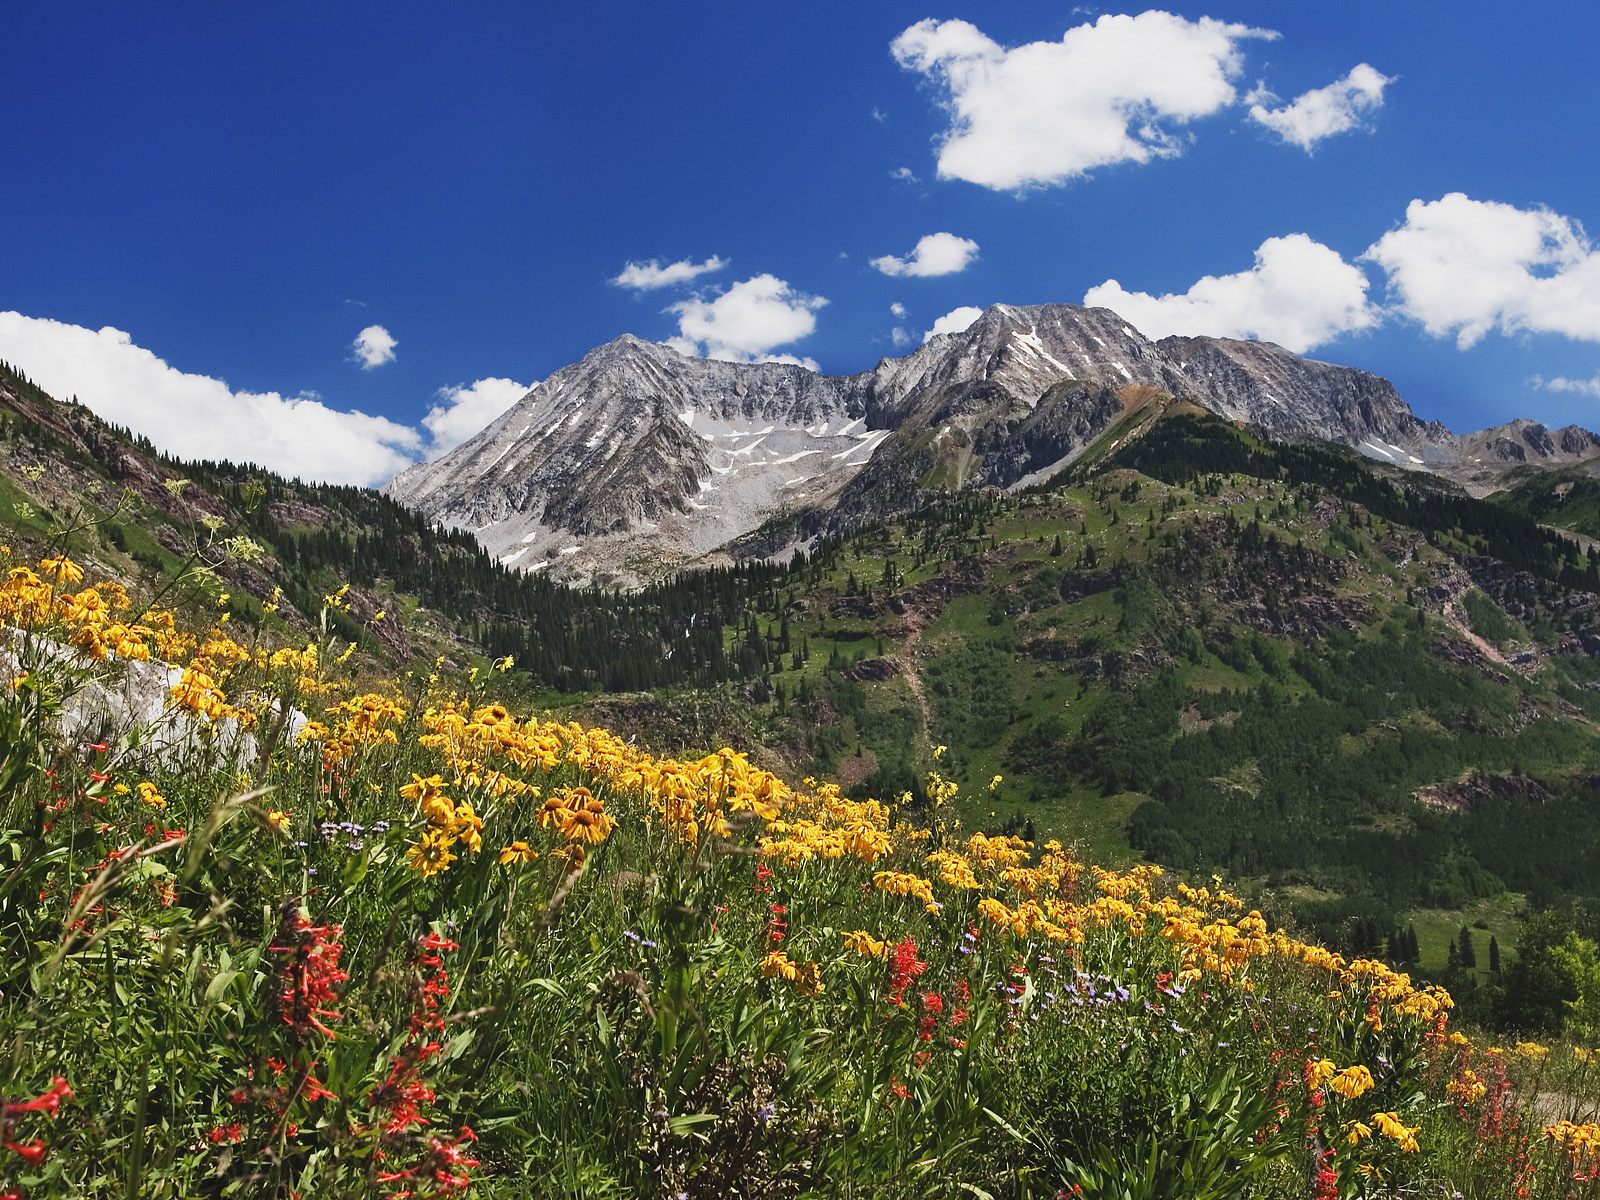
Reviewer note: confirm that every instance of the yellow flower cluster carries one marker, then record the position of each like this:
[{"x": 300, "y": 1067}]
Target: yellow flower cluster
[
  {"x": 827, "y": 825},
  {"x": 861, "y": 942},
  {"x": 1352, "y": 1082},
  {"x": 1052, "y": 919},
  {"x": 94, "y": 619},
  {"x": 353, "y": 725},
  {"x": 1581, "y": 1142},
  {"x": 1467, "y": 1087},
  {"x": 1391, "y": 1127},
  {"x": 806, "y": 977},
  {"x": 579, "y": 814},
  {"x": 903, "y": 883}
]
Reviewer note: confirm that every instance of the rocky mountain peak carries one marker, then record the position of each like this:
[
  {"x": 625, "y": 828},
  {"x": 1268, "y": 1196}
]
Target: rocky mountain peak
[{"x": 636, "y": 459}]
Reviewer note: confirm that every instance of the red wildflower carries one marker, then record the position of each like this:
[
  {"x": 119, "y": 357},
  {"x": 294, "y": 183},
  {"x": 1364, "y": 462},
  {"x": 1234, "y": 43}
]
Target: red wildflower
[
  {"x": 904, "y": 966},
  {"x": 309, "y": 976},
  {"x": 49, "y": 1103},
  {"x": 32, "y": 1152}
]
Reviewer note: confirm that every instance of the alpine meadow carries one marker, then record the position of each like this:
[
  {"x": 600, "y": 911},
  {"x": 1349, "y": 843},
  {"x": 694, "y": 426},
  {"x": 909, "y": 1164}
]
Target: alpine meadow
[{"x": 1034, "y": 634}]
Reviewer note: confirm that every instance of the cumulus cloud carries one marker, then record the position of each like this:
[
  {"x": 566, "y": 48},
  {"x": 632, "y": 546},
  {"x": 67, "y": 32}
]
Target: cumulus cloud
[
  {"x": 747, "y": 322},
  {"x": 374, "y": 346},
  {"x": 197, "y": 416},
  {"x": 897, "y": 309},
  {"x": 1576, "y": 387},
  {"x": 935, "y": 254},
  {"x": 1470, "y": 267},
  {"x": 1048, "y": 112},
  {"x": 467, "y": 408},
  {"x": 901, "y": 336},
  {"x": 647, "y": 276},
  {"x": 1325, "y": 111},
  {"x": 1299, "y": 294},
  {"x": 954, "y": 321},
  {"x": 903, "y": 175}
]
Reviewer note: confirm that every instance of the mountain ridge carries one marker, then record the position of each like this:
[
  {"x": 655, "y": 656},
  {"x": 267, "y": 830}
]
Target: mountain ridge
[{"x": 638, "y": 460}]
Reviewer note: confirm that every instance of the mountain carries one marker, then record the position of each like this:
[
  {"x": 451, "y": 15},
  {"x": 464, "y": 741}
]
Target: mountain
[
  {"x": 1362, "y": 688},
  {"x": 643, "y": 459},
  {"x": 637, "y": 461}
]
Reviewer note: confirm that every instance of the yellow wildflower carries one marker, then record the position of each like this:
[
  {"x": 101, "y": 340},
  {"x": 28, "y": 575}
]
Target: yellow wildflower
[
  {"x": 1352, "y": 1082},
  {"x": 62, "y": 569},
  {"x": 1402, "y": 1135},
  {"x": 517, "y": 854},
  {"x": 432, "y": 853},
  {"x": 864, "y": 944}
]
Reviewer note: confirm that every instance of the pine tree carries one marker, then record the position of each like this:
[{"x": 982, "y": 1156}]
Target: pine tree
[
  {"x": 1468, "y": 955},
  {"x": 1494, "y": 954}
]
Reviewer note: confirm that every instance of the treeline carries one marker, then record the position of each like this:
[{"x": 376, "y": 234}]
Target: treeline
[{"x": 1181, "y": 449}]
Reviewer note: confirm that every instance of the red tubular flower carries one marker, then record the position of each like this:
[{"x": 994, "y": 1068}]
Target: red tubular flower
[
  {"x": 904, "y": 966},
  {"x": 49, "y": 1103},
  {"x": 31, "y": 1153},
  {"x": 309, "y": 977}
]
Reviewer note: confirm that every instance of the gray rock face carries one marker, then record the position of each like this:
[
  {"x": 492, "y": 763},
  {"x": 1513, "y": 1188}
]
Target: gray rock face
[{"x": 638, "y": 460}]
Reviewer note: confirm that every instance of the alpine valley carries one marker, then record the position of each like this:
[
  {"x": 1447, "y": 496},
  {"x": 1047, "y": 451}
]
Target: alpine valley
[{"x": 1195, "y": 600}]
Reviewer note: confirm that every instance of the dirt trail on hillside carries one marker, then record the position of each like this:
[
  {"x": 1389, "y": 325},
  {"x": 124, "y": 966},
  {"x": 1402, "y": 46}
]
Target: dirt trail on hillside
[{"x": 906, "y": 662}]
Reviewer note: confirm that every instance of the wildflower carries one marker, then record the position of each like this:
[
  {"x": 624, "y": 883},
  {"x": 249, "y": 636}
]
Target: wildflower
[
  {"x": 49, "y": 1103},
  {"x": 310, "y": 974},
  {"x": 279, "y": 820},
  {"x": 62, "y": 569},
  {"x": 1318, "y": 1073},
  {"x": 517, "y": 854},
  {"x": 1466, "y": 1088},
  {"x": 432, "y": 853},
  {"x": 996, "y": 782},
  {"x": 1352, "y": 1082},
  {"x": 864, "y": 944},
  {"x": 1357, "y": 1132},
  {"x": 466, "y": 827},
  {"x": 31, "y": 1153},
  {"x": 904, "y": 966},
  {"x": 589, "y": 822},
  {"x": 1391, "y": 1127}
]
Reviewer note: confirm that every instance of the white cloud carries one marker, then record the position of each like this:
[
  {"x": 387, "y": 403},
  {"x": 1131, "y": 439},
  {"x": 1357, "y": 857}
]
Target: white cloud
[
  {"x": 197, "y": 416},
  {"x": 1048, "y": 112},
  {"x": 901, "y": 336},
  {"x": 1299, "y": 294},
  {"x": 903, "y": 175},
  {"x": 374, "y": 346},
  {"x": 935, "y": 254},
  {"x": 747, "y": 322},
  {"x": 897, "y": 309},
  {"x": 1469, "y": 267},
  {"x": 954, "y": 321},
  {"x": 1324, "y": 111},
  {"x": 1576, "y": 387},
  {"x": 647, "y": 276},
  {"x": 467, "y": 408}
]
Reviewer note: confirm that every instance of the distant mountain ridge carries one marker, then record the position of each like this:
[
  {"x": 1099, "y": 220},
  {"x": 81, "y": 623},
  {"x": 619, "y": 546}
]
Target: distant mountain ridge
[{"x": 637, "y": 460}]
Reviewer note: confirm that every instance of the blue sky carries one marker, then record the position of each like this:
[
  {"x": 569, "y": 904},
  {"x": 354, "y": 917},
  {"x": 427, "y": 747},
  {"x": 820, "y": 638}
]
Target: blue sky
[{"x": 243, "y": 190}]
